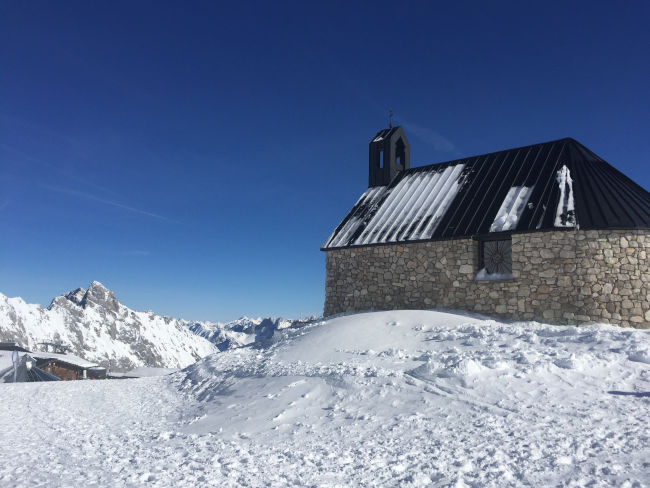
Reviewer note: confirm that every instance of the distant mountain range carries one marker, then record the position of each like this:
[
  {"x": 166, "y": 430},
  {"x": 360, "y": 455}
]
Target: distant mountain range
[{"x": 96, "y": 326}]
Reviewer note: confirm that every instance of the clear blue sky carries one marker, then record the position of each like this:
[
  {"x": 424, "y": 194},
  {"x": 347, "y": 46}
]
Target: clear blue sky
[{"x": 193, "y": 156}]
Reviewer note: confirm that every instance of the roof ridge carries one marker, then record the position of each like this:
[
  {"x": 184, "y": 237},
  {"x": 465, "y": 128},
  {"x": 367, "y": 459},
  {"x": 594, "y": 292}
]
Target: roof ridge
[{"x": 518, "y": 148}]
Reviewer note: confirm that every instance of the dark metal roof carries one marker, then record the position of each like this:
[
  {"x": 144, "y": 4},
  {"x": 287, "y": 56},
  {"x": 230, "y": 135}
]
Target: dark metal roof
[
  {"x": 385, "y": 133},
  {"x": 12, "y": 346},
  {"x": 553, "y": 185}
]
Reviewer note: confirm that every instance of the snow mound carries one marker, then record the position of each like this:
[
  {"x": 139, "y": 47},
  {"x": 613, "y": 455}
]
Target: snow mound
[
  {"x": 412, "y": 398},
  {"x": 401, "y": 398}
]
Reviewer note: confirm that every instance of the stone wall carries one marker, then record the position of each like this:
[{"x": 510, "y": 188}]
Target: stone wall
[{"x": 561, "y": 277}]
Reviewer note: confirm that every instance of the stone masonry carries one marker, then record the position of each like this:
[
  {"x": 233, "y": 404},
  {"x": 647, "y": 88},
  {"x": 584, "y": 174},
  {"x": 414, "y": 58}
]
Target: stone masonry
[{"x": 560, "y": 277}]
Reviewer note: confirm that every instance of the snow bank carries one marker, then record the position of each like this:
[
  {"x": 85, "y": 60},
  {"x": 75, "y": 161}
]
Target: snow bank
[
  {"x": 401, "y": 398},
  {"x": 414, "y": 398}
]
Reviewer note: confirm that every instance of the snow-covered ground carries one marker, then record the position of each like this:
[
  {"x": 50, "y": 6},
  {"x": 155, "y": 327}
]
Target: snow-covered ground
[{"x": 403, "y": 398}]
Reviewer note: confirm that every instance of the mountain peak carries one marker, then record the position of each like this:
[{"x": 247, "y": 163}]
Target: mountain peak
[
  {"x": 100, "y": 295},
  {"x": 99, "y": 328}
]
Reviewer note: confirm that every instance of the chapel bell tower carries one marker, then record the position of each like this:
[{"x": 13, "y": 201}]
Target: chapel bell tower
[{"x": 390, "y": 154}]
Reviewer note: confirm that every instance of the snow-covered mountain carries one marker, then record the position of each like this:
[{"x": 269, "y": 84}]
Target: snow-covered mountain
[
  {"x": 98, "y": 327},
  {"x": 238, "y": 332}
]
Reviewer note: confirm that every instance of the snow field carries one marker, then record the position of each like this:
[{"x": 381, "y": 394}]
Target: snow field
[{"x": 403, "y": 398}]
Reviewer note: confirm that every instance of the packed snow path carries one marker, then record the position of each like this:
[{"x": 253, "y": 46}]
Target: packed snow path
[{"x": 405, "y": 398}]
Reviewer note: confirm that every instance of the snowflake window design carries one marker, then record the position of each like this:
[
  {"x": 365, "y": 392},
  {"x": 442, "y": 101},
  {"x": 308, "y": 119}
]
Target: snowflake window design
[{"x": 497, "y": 257}]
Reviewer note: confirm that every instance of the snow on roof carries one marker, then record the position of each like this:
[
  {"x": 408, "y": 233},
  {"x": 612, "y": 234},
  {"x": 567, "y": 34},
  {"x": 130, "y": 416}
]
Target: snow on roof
[
  {"x": 6, "y": 361},
  {"x": 410, "y": 210},
  {"x": 65, "y": 358},
  {"x": 565, "y": 213},
  {"x": 414, "y": 207},
  {"x": 144, "y": 371},
  {"x": 511, "y": 208},
  {"x": 370, "y": 197},
  {"x": 551, "y": 185}
]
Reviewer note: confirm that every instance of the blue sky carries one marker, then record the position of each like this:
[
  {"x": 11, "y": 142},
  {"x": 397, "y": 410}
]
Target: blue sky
[{"x": 193, "y": 156}]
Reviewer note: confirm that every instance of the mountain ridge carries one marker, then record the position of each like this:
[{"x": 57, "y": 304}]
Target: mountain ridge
[{"x": 98, "y": 327}]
